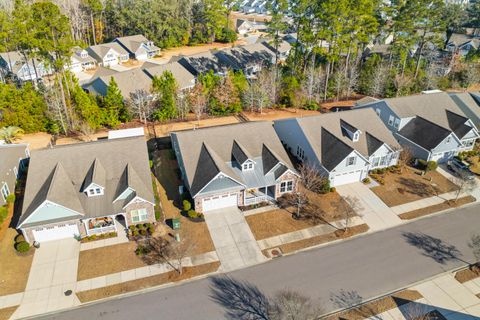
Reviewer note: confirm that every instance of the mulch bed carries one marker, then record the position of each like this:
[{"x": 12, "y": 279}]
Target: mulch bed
[
  {"x": 306, "y": 243},
  {"x": 6, "y": 313},
  {"x": 435, "y": 208},
  {"x": 378, "y": 306},
  {"x": 135, "y": 285},
  {"x": 466, "y": 275}
]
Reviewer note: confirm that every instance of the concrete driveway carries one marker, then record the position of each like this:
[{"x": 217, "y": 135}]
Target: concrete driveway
[
  {"x": 234, "y": 242},
  {"x": 53, "y": 272},
  {"x": 373, "y": 211}
]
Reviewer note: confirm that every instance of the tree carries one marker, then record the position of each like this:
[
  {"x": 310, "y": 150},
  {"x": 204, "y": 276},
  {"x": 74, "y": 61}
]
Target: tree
[
  {"x": 291, "y": 305},
  {"x": 141, "y": 105},
  {"x": 311, "y": 178},
  {"x": 113, "y": 104},
  {"x": 165, "y": 87},
  {"x": 474, "y": 244},
  {"x": 350, "y": 206},
  {"x": 405, "y": 157},
  {"x": 10, "y": 134},
  {"x": 465, "y": 183},
  {"x": 198, "y": 101},
  {"x": 87, "y": 108},
  {"x": 379, "y": 81},
  {"x": 225, "y": 97}
]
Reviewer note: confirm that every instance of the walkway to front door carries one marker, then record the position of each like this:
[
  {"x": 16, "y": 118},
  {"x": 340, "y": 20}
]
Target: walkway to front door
[{"x": 234, "y": 242}]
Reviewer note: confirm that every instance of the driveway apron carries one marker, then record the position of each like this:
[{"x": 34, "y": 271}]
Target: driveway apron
[
  {"x": 234, "y": 242},
  {"x": 52, "y": 275}
]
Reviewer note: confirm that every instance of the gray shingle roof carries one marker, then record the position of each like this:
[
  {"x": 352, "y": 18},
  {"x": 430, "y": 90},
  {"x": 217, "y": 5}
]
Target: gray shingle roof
[
  {"x": 202, "y": 63},
  {"x": 184, "y": 78},
  {"x": 58, "y": 175},
  {"x": 333, "y": 149},
  {"x": 242, "y": 57},
  {"x": 132, "y": 43},
  {"x": 469, "y": 104},
  {"x": 206, "y": 152},
  {"x": 10, "y": 156},
  {"x": 99, "y": 51},
  {"x": 424, "y": 133}
]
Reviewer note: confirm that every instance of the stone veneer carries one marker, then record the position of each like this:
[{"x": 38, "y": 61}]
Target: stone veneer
[{"x": 140, "y": 205}]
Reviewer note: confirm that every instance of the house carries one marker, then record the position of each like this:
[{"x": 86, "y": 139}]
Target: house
[
  {"x": 462, "y": 43},
  {"x": 13, "y": 161},
  {"x": 431, "y": 125},
  {"x": 244, "y": 27},
  {"x": 255, "y": 6},
  {"x": 139, "y": 47},
  {"x": 234, "y": 165},
  {"x": 248, "y": 58},
  {"x": 283, "y": 49},
  {"x": 108, "y": 54},
  {"x": 185, "y": 80},
  {"x": 14, "y": 64},
  {"x": 81, "y": 61},
  {"x": 202, "y": 63},
  {"x": 87, "y": 189},
  {"x": 469, "y": 103},
  {"x": 344, "y": 146},
  {"x": 382, "y": 50}
]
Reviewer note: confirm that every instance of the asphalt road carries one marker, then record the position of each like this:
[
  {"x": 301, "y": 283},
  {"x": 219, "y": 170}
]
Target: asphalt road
[{"x": 363, "y": 267}]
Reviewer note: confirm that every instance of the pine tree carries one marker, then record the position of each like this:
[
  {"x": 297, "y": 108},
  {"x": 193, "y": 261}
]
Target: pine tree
[
  {"x": 113, "y": 104},
  {"x": 165, "y": 87}
]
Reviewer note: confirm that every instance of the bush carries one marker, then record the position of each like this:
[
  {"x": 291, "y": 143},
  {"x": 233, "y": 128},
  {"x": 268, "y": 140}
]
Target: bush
[
  {"x": 3, "y": 214},
  {"x": 432, "y": 165},
  {"x": 421, "y": 164},
  {"x": 150, "y": 162},
  {"x": 311, "y": 105},
  {"x": 325, "y": 188},
  {"x": 93, "y": 237},
  {"x": 187, "y": 205},
  {"x": 148, "y": 225},
  {"x": 140, "y": 226},
  {"x": 141, "y": 250},
  {"x": 131, "y": 227},
  {"x": 158, "y": 213},
  {"x": 194, "y": 214},
  {"x": 10, "y": 198},
  {"x": 135, "y": 233},
  {"x": 333, "y": 189},
  {"x": 19, "y": 238},
  {"x": 143, "y": 232},
  {"x": 151, "y": 229},
  {"x": 366, "y": 180},
  {"x": 22, "y": 246},
  {"x": 112, "y": 234}
]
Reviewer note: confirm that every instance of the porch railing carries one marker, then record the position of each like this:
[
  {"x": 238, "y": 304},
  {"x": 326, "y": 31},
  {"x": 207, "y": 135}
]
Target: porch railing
[
  {"x": 257, "y": 199},
  {"x": 101, "y": 230}
]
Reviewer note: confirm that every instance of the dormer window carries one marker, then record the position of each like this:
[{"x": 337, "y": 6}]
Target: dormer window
[
  {"x": 94, "y": 191},
  {"x": 247, "y": 166}
]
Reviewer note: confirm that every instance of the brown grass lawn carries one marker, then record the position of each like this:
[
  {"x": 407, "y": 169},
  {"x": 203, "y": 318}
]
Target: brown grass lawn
[
  {"x": 474, "y": 164},
  {"x": 272, "y": 223},
  {"x": 14, "y": 269},
  {"x": 6, "y": 313},
  {"x": 378, "y": 306},
  {"x": 135, "y": 285},
  {"x": 166, "y": 169},
  {"x": 466, "y": 275},
  {"x": 409, "y": 186},
  {"x": 275, "y": 114},
  {"x": 435, "y": 208},
  {"x": 101, "y": 261}
]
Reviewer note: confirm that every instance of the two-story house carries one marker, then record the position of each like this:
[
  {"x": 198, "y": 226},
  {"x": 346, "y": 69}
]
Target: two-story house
[
  {"x": 13, "y": 159},
  {"x": 85, "y": 189},
  {"x": 139, "y": 47},
  {"x": 431, "y": 126},
  {"x": 81, "y": 61},
  {"x": 344, "y": 146},
  {"x": 234, "y": 165},
  {"x": 14, "y": 64},
  {"x": 249, "y": 58},
  {"x": 108, "y": 54}
]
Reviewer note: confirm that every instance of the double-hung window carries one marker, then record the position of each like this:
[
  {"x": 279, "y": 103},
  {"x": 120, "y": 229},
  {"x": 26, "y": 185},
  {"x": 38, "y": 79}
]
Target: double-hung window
[
  {"x": 247, "y": 166},
  {"x": 390, "y": 120},
  {"x": 139, "y": 215},
  {"x": 5, "y": 191},
  {"x": 286, "y": 186},
  {"x": 300, "y": 153},
  {"x": 351, "y": 161}
]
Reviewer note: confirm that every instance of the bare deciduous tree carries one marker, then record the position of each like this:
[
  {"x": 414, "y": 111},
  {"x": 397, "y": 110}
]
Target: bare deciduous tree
[
  {"x": 405, "y": 157},
  {"x": 378, "y": 83},
  {"x": 141, "y": 104},
  {"x": 197, "y": 101},
  {"x": 416, "y": 311},
  {"x": 291, "y": 305},
  {"x": 182, "y": 104},
  {"x": 350, "y": 206},
  {"x": 311, "y": 178},
  {"x": 465, "y": 183}
]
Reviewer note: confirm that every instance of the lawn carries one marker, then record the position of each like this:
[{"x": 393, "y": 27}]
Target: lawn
[
  {"x": 166, "y": 171},
  {"x": 14, "y": 268},
  {"x": 474, "y": 164},
  {"x": 276, "y": 222},
  {"x": 6, "y": 313},
  {"x": 437, "y": 207},
  {"x": 135, "y": 285},
  {"x": 410, "y": 186}
]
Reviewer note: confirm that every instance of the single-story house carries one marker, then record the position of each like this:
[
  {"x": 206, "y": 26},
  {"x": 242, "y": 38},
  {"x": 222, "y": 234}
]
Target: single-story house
[
  {"x": 431, "y": 125},
  {"x": 14, "y": 64},
  {"x": 138, "y": 47},
  {"x": 108, "y": 54},
  {"x": 13, "y": 162},
  {"x": 81, "y": 61},
  {"x": 202, "y": 63},
  {"x": 344, "y": 146},
  {"x": 462, "y": 43},
  {"x": 87, "y": 189},
  {"x": 248, "y": 58},
  {"x": 185, "y": 79},
  {"x": 234, "y": 165}
]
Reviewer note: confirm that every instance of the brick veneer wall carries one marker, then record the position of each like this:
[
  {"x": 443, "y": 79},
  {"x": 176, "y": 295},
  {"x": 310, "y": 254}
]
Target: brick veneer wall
[{"x": 140, "y": 205}]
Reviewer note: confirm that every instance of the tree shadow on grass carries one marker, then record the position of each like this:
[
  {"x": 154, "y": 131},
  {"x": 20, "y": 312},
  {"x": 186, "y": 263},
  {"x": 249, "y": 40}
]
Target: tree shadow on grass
[
  {"x": 417, "y": 188},
  {"x": 241, "y": 299},
  {"x": 434, "y": 248}
]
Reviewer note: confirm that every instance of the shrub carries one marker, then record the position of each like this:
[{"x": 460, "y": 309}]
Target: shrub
[
  {"x": 10, "y": 198},
  {"x": 151, "y": 229},
  {"x": 421, "y": 164},
  {"x": 22, "y": 246},
  {"x": 187, "y": 205},
  {"x": 150, "y": 162},
  {"x": 143, "y": 232},
  {"x": 325, "y": 188},
  {"x": 158, "y": 214},
  {"x": 140, "y": 226},
  {"x": 193, "y": 214},
  {"x": 432, "y": 165},
  {"x": 92, "y": 237},
  {"x": 141, "y": 250},
  {"x": 333, "y": 189},
  {"x": 132, "y": 227},
  {"x": 311, "y": 105},
  {"x": 19, "y": 238},
  {"x": 112, "y": 234},
  {"x": 366, "y": 180},
  {"x": 148, "y": 225},
  {"x": 135, "y": 233}
]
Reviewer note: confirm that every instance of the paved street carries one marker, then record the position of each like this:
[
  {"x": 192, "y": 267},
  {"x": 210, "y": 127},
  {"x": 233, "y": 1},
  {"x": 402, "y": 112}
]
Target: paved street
[{"x": 369, "y": 265}]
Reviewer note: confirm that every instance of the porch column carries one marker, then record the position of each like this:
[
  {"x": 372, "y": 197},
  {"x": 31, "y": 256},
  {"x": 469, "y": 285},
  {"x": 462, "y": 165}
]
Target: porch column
[{"x": 85, "y": 223}]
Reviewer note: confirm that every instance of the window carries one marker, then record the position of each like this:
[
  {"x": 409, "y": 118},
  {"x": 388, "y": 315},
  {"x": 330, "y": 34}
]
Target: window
[
  {"x": 139, "y": 215},
  {"x": 356, "y": 135},
  {"x": 468, "y": 143},
  {"x": 95, "y": 191},
  {"x": 383, "y": 161},
  {"x": 15, "y": 171},
  {"x": 286, "y": 186},
  {"x": 5, "y": 192},
  {"x": 390, "y": 120},
  {"x": 300, "y": 153},
  {"x": 375, "y": 161},
  {"x": 351, "y": 161},
  {"x": 247, "y": 166}
]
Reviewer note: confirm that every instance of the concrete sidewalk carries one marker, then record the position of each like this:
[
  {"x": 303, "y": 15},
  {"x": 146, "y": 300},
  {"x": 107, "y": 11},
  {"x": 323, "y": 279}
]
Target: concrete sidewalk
[
  {"x": 424, "y": 203},
  {"x": 373, "y": 211},
  {"x": 143, "y": 272},
  {"x": 52, "y": 275},
  {"x": 307, "y": 233},
  {"x": 233, "y": 240}
]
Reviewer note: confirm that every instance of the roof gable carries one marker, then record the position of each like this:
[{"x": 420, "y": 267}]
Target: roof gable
[
  {"x": 333, "y": 150},
  {"x": 424, "y": 133}
]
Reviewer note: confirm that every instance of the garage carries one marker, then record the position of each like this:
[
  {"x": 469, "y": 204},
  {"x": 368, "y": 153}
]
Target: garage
[
  {"x": 346, "y": 177},
  {"x": 56, "y": 232},
  {"x": 219, "y": 202}
]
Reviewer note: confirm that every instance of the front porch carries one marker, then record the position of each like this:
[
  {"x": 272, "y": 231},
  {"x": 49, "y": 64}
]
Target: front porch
[
  {"x": 259, "y": 195},
  {"x": 107, "y": 224}
]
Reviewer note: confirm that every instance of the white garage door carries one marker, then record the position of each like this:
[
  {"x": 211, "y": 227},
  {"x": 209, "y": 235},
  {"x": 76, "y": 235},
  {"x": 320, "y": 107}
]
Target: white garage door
[
  {"x": 348, "y": 177},
  {"x": 56, "y": 233},
  {"x": 219, "y": 202}
]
